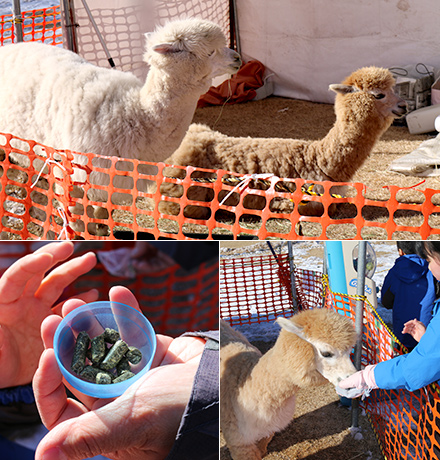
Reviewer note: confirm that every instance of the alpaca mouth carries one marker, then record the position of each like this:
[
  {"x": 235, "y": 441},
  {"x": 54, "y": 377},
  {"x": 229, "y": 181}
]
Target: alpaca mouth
[{"x": 400, "y": 113}]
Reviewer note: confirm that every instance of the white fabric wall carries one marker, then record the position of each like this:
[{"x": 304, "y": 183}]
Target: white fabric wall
[
  {"x": 123, "y": 23},
  {"x": 309, "y": 44}
]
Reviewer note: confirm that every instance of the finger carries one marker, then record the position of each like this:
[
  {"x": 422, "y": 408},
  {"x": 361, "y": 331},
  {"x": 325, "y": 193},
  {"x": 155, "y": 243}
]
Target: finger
[
  {"x": 76, "y": 439},
  {"x": 123, "y": 295},
  {"x": 50, "y": 394},
  {"x": 14, "y": 281},
  {"x": 87, "y": 297},
  {"x": 48, "y": 328},
  {"x": 60, "y": 250},
  {"x": 70, "y": 305},
  {"x": 54, "y": 284}
]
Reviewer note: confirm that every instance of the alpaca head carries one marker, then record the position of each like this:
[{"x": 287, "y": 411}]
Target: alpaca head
[
  {"x": 332, "y": 337},
  {"x": 191, "y": 47},
  {"x": 373, "y": 89}
]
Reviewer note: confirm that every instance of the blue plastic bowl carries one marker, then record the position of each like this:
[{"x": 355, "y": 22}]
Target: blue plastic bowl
[{"x": 93, "y": 318}]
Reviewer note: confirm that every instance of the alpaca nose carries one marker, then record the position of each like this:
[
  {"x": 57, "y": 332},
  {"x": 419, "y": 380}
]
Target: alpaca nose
[
  {"x": 402, "y": 109},
  {"x": 237, "y": 58}
]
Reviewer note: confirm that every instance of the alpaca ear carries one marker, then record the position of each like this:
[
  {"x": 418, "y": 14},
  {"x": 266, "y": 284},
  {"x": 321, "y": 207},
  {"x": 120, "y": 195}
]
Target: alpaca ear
[
  {"x": 343, "y": 89},
  {"x": 289, "y": 326},
  {"x": 165, "y": 48}
]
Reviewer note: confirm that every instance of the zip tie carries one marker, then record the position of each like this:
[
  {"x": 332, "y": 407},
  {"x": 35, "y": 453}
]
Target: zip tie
[
  {"x": 245, "y": 182},
  {"x": 44, "y": 165},
  {"x": 63, "y": 216}
]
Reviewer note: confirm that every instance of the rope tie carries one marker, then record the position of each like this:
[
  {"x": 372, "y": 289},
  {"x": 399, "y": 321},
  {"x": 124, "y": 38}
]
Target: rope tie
[
  {"x": 63, "y": 216},
  {"x": 246, "y": 179},
  {"x": 42, "y": 169}
]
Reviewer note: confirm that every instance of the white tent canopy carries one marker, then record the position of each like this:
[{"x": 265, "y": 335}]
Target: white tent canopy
[{"x": 307, "y": 45}]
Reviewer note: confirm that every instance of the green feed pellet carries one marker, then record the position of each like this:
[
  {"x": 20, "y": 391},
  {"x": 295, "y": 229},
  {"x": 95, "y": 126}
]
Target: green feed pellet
[{"x": 105, "y": 358}]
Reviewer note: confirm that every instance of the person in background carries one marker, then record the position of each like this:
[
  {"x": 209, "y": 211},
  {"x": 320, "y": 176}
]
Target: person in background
[
  {"x": 409, "y": 289},
  {"x": 413, "y": 370}
]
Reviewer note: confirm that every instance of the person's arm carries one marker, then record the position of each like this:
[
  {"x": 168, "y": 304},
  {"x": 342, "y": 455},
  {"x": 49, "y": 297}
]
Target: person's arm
[
  {"x": 198, "y": 434},
  {"x": 387, "y": 296},
  {"x": 416, "y": 369}
]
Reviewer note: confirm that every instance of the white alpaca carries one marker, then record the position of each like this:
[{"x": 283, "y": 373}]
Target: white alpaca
[
  {"x": 365, "y": 107},
  {"x": 257, "y": 392},
  {"x": 55, "y": 97}
]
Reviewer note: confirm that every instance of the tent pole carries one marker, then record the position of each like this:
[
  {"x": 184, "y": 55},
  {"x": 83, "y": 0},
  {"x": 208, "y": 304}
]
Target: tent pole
[
  {"x": 69, "y": 23},
  {"x": 292, "y": 276},
  {"x": 18, "y": 20},
  {"x": 98, "y": 33},
  {"x": 360, "y": 290},
  {"x": 234, "y": 20}
]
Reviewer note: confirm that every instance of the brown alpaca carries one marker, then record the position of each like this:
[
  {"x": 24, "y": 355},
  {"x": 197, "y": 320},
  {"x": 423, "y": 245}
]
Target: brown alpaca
[
  {"x": 257, "y": 392},
  {"x": 365, "y": 107}
]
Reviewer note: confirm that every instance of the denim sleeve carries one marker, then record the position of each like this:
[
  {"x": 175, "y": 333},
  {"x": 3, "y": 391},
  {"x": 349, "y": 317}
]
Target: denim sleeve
[{"x": 198, "y": 435}]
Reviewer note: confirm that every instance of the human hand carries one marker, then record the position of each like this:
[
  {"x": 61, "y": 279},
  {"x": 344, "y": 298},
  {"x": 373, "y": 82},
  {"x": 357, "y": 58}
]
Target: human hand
[
  {"x": 359, "y": 383},
  {"x": 415, "y": 328},
  {"x": 140, "y": 424},
  {"x": 27, "y": 296}
]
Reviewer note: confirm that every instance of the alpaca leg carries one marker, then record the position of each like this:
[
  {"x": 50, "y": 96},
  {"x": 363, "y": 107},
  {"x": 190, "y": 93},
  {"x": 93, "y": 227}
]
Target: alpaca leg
[
  {"x": 262, "y": 444},
  {"x": 249, "y": 452}
]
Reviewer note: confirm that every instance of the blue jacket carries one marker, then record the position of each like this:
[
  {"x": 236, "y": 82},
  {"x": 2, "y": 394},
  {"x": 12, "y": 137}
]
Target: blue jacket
[
  {"x": 418, "y": 368},
  {"x": 409, "y": 289}
]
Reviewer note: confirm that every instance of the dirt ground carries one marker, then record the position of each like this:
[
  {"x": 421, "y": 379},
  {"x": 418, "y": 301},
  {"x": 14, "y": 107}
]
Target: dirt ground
[{"x": 321, "y": 426}]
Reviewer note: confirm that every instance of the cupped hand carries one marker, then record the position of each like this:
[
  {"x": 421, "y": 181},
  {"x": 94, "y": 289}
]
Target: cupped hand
[
  {"x": 415, "y": 328},
  {"x": 27, "y": 296},
  {"x": 140, "y": 424}
]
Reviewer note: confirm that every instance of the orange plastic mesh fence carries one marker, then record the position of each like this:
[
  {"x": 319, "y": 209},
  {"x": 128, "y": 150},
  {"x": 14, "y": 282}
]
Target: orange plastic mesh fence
[
  {"x": 151, "y": 200},
  {"x": 251, "y": 290},
  {"x": 406, "y": 424},
  {"x": 174, "y": 300},
  {"x": 42, "y": 25}
]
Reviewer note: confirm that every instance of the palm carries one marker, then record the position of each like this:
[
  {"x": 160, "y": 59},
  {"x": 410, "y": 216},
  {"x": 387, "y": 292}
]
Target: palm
[
  {"x": 26, "y": 299},
  {"x": 140, "y": 424},
  {"x": 155, "y": 417}
]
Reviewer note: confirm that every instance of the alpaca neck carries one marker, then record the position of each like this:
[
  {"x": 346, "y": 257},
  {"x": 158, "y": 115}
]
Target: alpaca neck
[
  {"x": 346, "y": 146},
  {"x": 168, "y": 105},
  {"x": 281, "y": 371}
]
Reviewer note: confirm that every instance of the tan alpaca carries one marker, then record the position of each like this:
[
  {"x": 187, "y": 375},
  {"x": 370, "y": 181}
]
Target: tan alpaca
[
  {"x": 257, "y": 392},
  {"x": 365, "y": 107}
]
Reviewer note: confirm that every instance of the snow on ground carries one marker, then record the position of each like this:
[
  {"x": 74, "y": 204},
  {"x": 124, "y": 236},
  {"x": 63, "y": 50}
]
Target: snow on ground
[
  {"x": 26, "y": 5},
  {"x": 307, "y": 255}
]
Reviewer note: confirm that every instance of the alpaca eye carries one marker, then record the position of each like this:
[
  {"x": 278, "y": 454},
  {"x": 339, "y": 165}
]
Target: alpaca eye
[
  {"x": 211, "y": 53},
  {"x": 326, "y": 354},
  {"x": 379, "y": 96}
]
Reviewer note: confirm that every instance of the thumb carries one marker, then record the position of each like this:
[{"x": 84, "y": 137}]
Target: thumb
[{"x": 78, "y": 438}]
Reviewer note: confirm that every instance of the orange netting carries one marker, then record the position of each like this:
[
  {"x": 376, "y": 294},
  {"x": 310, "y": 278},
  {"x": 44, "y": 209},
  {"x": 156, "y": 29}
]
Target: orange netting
[
  {"x": 42, "y": 25},
  {"x": 406, "y": 424},
  {"x": 173, "y": 299},
  {"x": 151, "y": 200}
]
